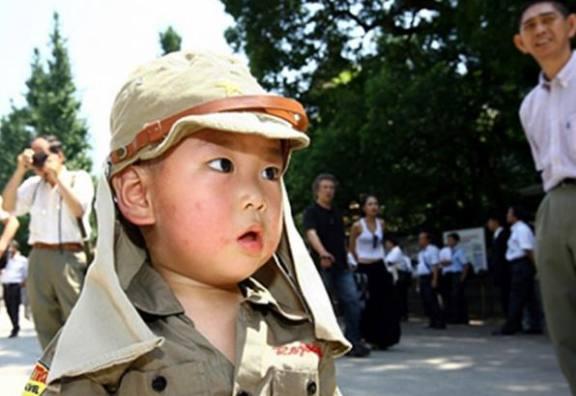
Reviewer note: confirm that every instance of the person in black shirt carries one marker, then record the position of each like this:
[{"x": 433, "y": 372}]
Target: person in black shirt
[{"x": 325, "y": 234}]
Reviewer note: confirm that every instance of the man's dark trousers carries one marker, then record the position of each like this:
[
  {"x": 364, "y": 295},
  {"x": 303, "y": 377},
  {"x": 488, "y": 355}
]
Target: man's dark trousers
[
  {"x": 340, "y": 284},
  {"x": 430, "y": 302},
  {"x": 454, "y": 297},
  {"x": 12, "y": 298},
  {"x": 522, "y": 295}
]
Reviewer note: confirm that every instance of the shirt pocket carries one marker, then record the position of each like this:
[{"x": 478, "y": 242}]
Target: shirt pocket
[
  {"x": 295, "y": 383},
  {"x": 182, "y": 380}
]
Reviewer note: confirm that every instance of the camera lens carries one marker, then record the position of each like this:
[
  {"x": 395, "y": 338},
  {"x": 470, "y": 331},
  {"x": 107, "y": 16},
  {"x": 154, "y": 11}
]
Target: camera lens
[{"x": 38, "y": 159}]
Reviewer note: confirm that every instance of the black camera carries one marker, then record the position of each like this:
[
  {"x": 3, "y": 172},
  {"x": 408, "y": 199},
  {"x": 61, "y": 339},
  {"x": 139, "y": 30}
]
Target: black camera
[{"x": 39, "y": 159}]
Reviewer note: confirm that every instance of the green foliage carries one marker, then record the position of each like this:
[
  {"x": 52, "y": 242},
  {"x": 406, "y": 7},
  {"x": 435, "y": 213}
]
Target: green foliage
[
  {"x": 415, "y": 101},
  {"x": 170, "y": 41},
  {"x": 52, "y": 106}
]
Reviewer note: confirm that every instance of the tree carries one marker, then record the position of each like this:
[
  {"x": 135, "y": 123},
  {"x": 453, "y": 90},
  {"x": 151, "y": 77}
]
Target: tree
[
  {"x": 415, "y": 101},
  {"x": 52, "y": 106},
  {"x": 170, "y": 41}
]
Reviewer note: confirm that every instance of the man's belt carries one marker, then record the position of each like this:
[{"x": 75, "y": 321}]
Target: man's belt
[
  {"x": 68, "y": 246},
  {"x": 567, "y": 182}
]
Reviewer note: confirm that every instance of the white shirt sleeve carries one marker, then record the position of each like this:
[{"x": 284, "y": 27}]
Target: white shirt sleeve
[
  {"x": 445, "y": 254},
  {"x": 394, "y": 256},
  {"x": 524, "y": 120},
  {"x": 83, "y": 188},
  {"x": 525, "y": 238},
  {"x": 433, "y": 258},
  {"x": 25, "y": 195},
  {"x": 24, "y": 267}
]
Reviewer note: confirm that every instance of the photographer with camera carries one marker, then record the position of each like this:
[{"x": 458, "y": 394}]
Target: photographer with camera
[{"x": 59, "y": 202}]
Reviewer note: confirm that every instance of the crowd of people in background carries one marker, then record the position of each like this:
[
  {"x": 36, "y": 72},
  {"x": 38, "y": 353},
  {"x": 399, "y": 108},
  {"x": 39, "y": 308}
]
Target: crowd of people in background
[{"x": 369, "y": 275}]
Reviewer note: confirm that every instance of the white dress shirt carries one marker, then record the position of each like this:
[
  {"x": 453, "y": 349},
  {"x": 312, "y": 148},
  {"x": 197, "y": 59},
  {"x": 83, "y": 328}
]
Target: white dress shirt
[
  {"x": 548, "y": 115},
  {"x": 521, "y": 239},
  {"x": 51, "y": 221},
  {"x": 396, "y": 257},
  {"x": 427, "y": 259},
  {"x": 16, "y": 270}
]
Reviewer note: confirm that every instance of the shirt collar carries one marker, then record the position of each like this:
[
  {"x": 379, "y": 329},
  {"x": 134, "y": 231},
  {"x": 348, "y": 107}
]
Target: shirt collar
[
  {"x": 563, "y": 77},
  {"x": 163, "y": 302},
  {"x": 255, "y": 293},
  {"x": 150, "y": 293},
  {"x": 497, "y": 232}
]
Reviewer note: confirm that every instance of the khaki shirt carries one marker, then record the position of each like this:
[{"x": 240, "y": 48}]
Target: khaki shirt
[{"x": 278, "y": 353}]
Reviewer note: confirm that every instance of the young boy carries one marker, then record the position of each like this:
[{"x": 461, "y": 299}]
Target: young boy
[
  {"x": 201, "y": 284},
  {"x": 548, "y": 116}
]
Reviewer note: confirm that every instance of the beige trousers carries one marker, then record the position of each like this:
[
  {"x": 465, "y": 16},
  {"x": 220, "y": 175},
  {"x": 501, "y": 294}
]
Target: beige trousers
[
  {"x": 54, "y": 281},
  {"x": 556, "y": 263}
]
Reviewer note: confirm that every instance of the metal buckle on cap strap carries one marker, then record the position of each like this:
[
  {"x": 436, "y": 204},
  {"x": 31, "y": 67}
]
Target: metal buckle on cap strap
[{"x": 287, "y": 109}]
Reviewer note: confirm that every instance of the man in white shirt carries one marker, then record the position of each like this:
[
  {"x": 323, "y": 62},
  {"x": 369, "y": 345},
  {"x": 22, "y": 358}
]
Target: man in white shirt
[
  {"x": 520, "y": 255},
  {"x": 428, "y": 271},
  {"x": 548, "y": 116},
  {"x": 455, "y": 267},
  {"x": 58, "y": 200},
  {"x": 13, "y": 278}
]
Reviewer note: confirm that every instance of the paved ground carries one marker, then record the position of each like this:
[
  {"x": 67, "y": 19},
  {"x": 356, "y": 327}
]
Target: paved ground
[{"x": 460, "y": 361}]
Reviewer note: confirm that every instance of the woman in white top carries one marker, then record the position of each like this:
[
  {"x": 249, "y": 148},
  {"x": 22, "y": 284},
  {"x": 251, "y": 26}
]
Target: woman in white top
[{"x": 381, "y": 320}]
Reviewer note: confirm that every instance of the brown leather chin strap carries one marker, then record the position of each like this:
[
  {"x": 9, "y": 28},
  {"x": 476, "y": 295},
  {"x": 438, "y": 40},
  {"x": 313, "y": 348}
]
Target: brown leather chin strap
[{"x": 286, "y": 109}]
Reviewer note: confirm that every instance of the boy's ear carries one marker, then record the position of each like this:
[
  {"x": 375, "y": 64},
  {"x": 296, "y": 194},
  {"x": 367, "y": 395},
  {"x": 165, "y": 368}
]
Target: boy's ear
[
  {"x": 131, "y": 187},
  {"x": 519, "y": 43}
]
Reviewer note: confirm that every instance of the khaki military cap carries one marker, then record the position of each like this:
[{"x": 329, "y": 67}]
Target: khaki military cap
[{"x": 184, "y": 92}]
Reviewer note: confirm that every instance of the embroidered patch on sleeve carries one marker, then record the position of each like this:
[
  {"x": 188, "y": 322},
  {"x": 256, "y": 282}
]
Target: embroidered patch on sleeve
[{"x": 37, "y": 382}]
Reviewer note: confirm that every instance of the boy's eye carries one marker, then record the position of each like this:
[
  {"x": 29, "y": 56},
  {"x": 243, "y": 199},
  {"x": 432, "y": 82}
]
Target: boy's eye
[
  {"x": 271, "y": 173},
  {"x": 223, "y": 165}
]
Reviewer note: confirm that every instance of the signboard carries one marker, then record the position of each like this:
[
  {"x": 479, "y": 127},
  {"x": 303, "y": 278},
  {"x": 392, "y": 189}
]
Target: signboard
[{"x": 473, "y": 241}]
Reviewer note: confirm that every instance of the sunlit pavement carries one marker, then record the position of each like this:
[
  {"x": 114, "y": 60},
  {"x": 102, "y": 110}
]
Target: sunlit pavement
[{"x": 463, "y": 360}]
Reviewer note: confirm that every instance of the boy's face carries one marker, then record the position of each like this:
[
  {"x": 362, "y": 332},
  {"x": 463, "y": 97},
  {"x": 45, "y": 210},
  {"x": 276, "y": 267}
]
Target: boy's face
[
  {"x": 544, "y": 32},
  {"x": 217, "y": 203}
]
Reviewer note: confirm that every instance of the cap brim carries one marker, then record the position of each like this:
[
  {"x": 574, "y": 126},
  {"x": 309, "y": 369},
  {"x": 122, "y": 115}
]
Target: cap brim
[{"x": 238, "y": 122}]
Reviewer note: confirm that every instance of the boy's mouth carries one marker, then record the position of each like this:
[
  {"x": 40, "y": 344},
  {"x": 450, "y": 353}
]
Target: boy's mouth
[{"x": 251, "y": 240}]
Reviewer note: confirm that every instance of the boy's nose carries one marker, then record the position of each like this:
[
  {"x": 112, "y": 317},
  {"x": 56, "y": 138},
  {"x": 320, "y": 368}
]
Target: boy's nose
[{"x": 253, "y": 197}]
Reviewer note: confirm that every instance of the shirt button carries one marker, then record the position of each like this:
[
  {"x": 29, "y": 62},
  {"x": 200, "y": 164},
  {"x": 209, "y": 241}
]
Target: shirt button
[
  {"x": 311, "y": 388},
  {"x": 159, "y": 383}
]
